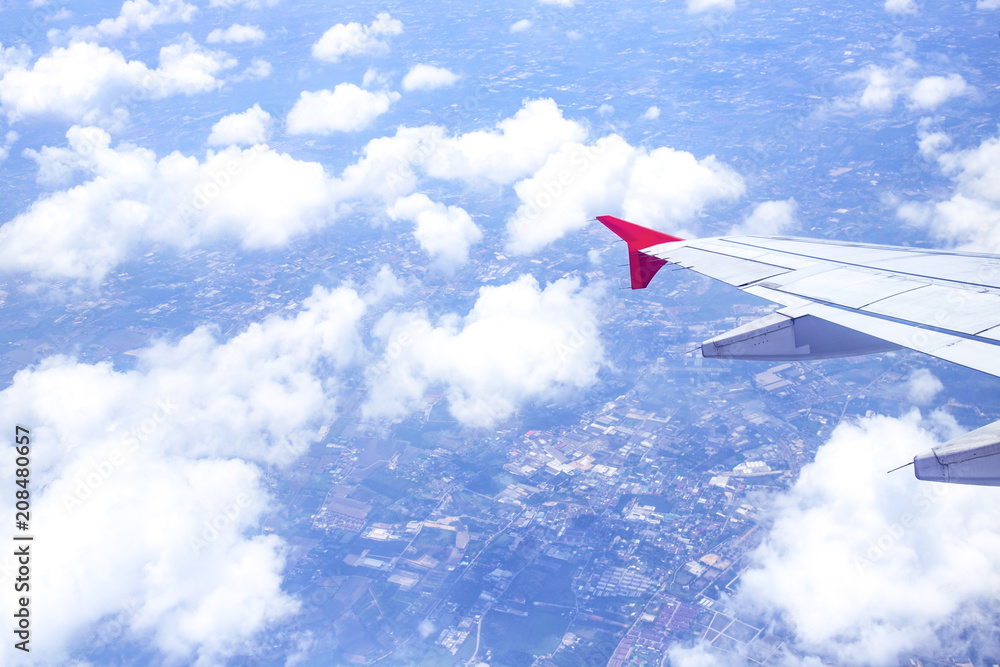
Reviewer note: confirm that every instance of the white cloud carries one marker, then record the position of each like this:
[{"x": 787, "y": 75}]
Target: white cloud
[
  {"x": 237, "y": 33},
  {"x": 253, "y": 126},
  {"x": 9, "y": 140},
  {"x": 257, "y": 70},
  {"x": 347, "y": 108},
  {"x": 970, "y": 218},
  {"x": 671, "y": 186},
  {"x": 988, "y": 4},
  {"x": 922, "y": 386},
  {"x": 137, "y": 16},
  {"x": 249, "y": 4},
  {"x": 185, "y": 67},
  {"x": 82, "y": 82},
  {"x": 169, "y": 455},
  {"x": 931, "y": 144},
  {"x": 519, "y": 145},
  {"x": 769, "y": 218},
  {"x": 445, "y": 232},
  {"x": 374, "y": 79},
  {"x": 131, "y": 199},
  {"x": 428, "y": 77},
  {"x": 257, "y": 195},
  {"x": 92, "y": 84},
  {"x": 558, "y": 3},
  {"x": 884, "y": 85},
  {"x": 652, "y": 113},
  {"x": 700, "y": 655},
  {"x": 520, "y": 342},
  {"x": 13, "y": 57},
  {"x": 901, "y": 6},
  {"x": 663, "y": 188},
  {"x": 390, "y": 167},
  {"x": 385, "y": 285},
  {"x": 351, "y": 39},
  {"x": 931, "y": 92},
  {"x": 861, "y": 565},
  {"x": 706, "y": 5},
  {"x": 521, "y": 25}
]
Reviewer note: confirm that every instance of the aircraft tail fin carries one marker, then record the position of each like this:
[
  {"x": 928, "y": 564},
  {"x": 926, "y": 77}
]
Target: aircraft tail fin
[{"x": 642, "y": 266}]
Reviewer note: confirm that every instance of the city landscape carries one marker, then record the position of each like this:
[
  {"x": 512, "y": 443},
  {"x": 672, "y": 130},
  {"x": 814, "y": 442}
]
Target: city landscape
[{"x": 598, "y": 532}]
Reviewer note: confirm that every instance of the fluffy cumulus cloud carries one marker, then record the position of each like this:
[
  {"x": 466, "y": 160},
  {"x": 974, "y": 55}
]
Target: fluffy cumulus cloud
[
  {"x": 520, "y": 342},
  {"x": 256, "y": 70},
  {"x": 931, "y": 92},
  {"x": 237, "y": 33},
  {"x": 516, "y": 147},
  {"x": 12, "y": 57},
  {"x": 347, "y": 108},
  {"x": 861, "y": 565},
  {"x": 8, "y": 141},
  {"x": 428, "y": 77},
  {"x": 922, "y": 386},
  {"x": 132, "y": 199},
  {"x": 91, "y": 84},
  {"x": 521, "y": 26},
  {"x": 901, "y": 6},
  {"x": 970, "y": 218},
  {"x": 137, "y": 16},
  {"x": 445, "y": 232},
  {"x": 249, "y": 4},
  {"x": 706, "y": 5},
  {"x": 253, "y": 126},
  {"x": 769, "y": 218},
  {"x": 185, "y": 67},
  {"x": 883, "y": 86},
  {"x": 350, "y": 39},
  {"x": 170, "y": 455},
  {"x": 663, "y": 188},
  {"x": 129, "y": 199},
  {"x": 391, "y": 167}
]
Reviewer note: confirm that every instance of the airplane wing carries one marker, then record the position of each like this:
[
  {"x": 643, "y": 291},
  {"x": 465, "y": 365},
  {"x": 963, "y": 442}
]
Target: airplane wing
[{"x": 844, "y": 299}]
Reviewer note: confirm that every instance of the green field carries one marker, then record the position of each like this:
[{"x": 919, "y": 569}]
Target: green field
[{"x": 538, "y": 633}]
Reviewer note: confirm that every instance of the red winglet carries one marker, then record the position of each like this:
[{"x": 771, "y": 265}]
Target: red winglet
[{"x": 641, "y": 265}]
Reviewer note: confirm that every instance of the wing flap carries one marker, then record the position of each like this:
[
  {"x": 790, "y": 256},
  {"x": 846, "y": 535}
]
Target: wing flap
[{"x": 979, "y": 355}]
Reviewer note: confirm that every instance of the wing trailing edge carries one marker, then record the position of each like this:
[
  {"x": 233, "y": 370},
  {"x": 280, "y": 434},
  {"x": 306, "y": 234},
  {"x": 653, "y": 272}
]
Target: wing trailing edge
[{"x": 642, "y": 266}]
